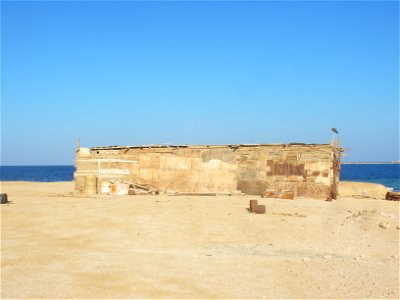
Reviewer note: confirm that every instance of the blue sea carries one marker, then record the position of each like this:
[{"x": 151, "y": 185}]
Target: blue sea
[
  {"x": 37, "y": 173},
  {"x": 386, "y": 174}
]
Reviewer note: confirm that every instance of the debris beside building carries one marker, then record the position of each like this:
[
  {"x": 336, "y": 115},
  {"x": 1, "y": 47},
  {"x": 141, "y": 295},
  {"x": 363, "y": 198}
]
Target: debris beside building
[{"x": 310, "y": 170}]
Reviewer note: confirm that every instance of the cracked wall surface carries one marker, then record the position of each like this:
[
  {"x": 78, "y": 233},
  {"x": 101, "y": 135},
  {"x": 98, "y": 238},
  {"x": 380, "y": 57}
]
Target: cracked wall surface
[{"x": 307, "y": 170}]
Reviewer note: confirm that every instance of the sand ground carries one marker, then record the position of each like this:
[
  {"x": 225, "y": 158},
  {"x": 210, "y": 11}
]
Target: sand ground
[{"x": 54, "y": 246}]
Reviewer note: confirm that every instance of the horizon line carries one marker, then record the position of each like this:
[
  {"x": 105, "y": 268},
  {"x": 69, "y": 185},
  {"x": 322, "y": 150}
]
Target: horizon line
[{"x": 394, "y": 162}]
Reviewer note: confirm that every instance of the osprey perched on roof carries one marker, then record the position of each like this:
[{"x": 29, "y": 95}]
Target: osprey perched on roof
[{"x": 334, "y": 130}]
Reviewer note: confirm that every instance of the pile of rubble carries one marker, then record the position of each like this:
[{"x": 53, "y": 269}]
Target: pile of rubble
[
  {"x": 123, "y": 188},
  {"x": 275, "y": 194},
  {"x": 143, "y": 189},
  {"x": 128, "y": 188}
]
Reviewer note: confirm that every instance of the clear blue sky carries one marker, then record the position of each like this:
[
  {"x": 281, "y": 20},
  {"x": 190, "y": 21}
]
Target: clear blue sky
[{"x": 126, "y": 73}]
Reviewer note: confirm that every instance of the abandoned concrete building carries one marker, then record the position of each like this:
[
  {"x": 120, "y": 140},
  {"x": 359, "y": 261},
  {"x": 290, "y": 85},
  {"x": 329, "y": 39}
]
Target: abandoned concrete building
[{"x": 310, "y": 170}]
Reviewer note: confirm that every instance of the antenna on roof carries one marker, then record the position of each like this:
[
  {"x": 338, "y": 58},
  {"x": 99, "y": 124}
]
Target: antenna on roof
[
  {"x": 335, "y": 138},
  {"x": 78, "y": 144}
]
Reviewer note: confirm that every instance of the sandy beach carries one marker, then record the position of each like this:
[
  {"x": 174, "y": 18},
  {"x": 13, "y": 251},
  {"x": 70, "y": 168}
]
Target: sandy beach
[{"x": 55, "y": 245}]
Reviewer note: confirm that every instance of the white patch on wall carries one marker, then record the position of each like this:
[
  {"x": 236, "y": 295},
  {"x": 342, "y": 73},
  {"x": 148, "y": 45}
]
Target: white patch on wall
[
  {"x": 212, "y": 164},
  {"x": 114, "y": 171}
]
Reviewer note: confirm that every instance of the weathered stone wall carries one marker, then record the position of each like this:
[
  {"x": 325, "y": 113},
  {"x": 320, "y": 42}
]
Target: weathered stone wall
[
  {"x": 180, "y": 169},
  {"x": 307, "y": 170}
]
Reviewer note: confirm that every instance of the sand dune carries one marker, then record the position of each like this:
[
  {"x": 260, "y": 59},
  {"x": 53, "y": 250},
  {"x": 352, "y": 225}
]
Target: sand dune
[{"x": 54, "y": 245}]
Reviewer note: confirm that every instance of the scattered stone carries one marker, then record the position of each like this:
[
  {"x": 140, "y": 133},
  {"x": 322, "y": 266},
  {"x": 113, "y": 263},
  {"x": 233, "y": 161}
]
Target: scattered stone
[
  {"x": 384, "y": 225},
  {"x": 270, "y": 194},
  {"x": 306, "y": 259},
  {"x": 398, "y": 227},
  {"x": 327, "y": 256},
  {"x": 287, "y": 195},
  {"x": 356, "y": 258},
  {"x": 387, "y": 215}
]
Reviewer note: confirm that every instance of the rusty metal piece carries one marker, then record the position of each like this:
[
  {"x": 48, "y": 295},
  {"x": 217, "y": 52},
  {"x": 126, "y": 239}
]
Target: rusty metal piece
[
  {"x": 259, "y": 209},
  {"x": 3, "y": 198},
  {"x": 270, "y": 194},
  {"x": 252, "y": 203},
  {"x": 287, "y": 195}
]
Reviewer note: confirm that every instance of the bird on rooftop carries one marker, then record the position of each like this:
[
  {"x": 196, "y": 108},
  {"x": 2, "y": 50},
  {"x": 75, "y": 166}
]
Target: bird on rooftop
[{"x": 334, "y": 130}]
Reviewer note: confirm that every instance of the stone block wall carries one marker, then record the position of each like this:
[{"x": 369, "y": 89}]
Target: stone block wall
[{"x": 307, "y": 170}]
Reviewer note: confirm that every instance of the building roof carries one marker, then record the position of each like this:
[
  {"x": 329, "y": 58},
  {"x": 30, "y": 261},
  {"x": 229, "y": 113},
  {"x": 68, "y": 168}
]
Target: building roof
[{"x": 199, "y": 146}]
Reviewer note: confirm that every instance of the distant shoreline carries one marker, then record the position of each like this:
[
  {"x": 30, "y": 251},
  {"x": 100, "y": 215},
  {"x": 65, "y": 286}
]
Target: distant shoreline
[
  {"x": 73, "y": 166},
  {"x": 342, "y": 163}
]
